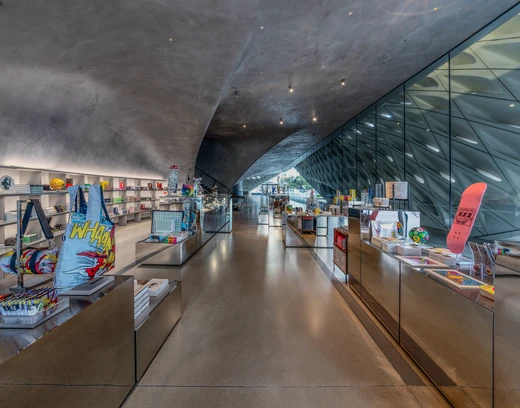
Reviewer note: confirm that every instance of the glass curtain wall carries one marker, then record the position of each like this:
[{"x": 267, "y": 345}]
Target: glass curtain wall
[{"x": 454, "y": 124}]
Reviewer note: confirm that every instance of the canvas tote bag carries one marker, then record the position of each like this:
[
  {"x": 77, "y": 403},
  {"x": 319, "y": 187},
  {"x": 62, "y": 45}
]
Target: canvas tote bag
[{"x": 89, "y": 247}]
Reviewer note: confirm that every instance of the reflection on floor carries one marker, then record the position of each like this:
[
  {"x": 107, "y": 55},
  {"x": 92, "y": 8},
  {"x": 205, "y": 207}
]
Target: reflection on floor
[{"x": 263, "y": 326}]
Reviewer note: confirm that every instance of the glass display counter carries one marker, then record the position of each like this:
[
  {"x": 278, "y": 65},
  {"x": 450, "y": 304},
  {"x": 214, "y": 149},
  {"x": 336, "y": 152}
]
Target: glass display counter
[
  {"x": 183, "y": 233},
  {"x": 84, "y": 354},
  {"x": 448, "y": 330}
]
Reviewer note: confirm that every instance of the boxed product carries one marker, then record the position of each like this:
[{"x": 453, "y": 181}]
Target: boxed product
[
  {"x": 377, "y": 241},
  {"x": 409, "y": 250},
  {"x": 390, "y": 244}
]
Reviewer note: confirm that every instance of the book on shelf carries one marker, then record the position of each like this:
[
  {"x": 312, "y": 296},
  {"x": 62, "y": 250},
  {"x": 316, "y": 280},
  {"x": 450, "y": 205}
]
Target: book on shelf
[{"x": 155, "y": 286}]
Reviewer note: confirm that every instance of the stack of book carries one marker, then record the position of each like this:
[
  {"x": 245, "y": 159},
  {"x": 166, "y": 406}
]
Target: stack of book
[
  {"x": 22, "y": 188},
  {"x": 141, "y": 299},
  {"x": 155, "y": 286},
  {"x": 36, "y": 189}
]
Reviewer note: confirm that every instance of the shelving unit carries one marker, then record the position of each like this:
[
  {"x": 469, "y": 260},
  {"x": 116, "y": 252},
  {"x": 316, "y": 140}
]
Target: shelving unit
[{"x": 129, "y": 209}]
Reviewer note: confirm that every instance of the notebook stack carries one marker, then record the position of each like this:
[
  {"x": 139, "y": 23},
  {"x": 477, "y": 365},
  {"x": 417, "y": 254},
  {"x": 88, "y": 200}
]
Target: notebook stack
[{"x": 141, "y": 299}]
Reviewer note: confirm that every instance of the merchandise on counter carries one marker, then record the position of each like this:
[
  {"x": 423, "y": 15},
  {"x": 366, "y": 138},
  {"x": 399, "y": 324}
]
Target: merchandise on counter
[
  {"x": 104, "y": 185},
  {"x": 488, "y": 291},
  {"x": 457, "y": 279},
  {"x": 465, "y": 217},
  {"x": 397, "y": 190},
  {"x": 155, "y": 286},
  {"x": 390, "y": 244},
  {"x": 88, "y": 249},
  {"x": 411, "y": 249},
  {"x": 69, "y": 183},
  {"x": 27, "y": 303},
  {"x": 376, "y": 240},
  {"x": 419, "y": 235},
  {"x": 421, "y": 262},
  {"x": 115, "y": 210},
  {"x": 33, "y": 261}
]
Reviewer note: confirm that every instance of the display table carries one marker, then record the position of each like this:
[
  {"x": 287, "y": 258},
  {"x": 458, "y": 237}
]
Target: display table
[
  {"x": 82, "y": 357},
  {"x": 305, "y": 230},
  {"x": 155, "y": 253},
  {"x": 448, "y": 331}
]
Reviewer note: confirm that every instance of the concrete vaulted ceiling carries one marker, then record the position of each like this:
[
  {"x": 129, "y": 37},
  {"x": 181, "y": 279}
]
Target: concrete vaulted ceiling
[{"x": 131, "y": 87}]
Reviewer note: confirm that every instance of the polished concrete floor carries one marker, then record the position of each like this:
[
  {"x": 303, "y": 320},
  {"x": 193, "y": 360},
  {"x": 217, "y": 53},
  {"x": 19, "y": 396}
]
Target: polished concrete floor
[{"x": 263, "y": 326}]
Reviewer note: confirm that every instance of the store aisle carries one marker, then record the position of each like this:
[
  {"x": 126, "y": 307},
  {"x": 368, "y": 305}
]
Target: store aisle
[{"x": 264, "y": 327}]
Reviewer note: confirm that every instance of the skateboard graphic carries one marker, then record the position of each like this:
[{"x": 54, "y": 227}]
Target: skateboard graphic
[{"x": 465, "y": 217}]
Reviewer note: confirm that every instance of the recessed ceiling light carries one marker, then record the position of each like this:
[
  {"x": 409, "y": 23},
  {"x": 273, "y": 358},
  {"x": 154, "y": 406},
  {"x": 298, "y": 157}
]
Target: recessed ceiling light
[
  {"x": 343, "y": 81},
  {"x": 170, "y": 39},
  {"x": 512, "y": 105},
  {"x": 261, "y": 28},
  {"x": 386, "y": 115},
  {"x": 410, "y": 155},
  {"x": 315, "y": 118},
  {"x": 244, "y": 125},
  {"x": 350, "y": 13},
  {"x": 435, "y": 149},
  {"x": 419, "y": 179},
  {"x": 428, "y": 130},
  {"x": 398, "y": 123},
  {"x": 436, "y": 8},
  {"x": 323, "y": 66},
  {"x": 281, "y": 121},
  {"x": 291, "y": 88}
]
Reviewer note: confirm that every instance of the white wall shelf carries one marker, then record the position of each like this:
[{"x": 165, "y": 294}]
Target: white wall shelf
[{"x": 23, "y": 175}]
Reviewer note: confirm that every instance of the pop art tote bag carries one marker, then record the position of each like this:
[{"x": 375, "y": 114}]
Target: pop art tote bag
[{"x": 88, "y": 248}]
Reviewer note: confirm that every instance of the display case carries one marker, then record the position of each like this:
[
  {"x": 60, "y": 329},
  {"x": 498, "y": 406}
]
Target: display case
[
  {"x": 445, "y": 327},
  {"x": 84, "y": 354},
  {"x": 198, "y": 223}
]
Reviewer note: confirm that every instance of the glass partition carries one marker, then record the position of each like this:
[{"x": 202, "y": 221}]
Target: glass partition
[{"x": 455, "y": 123}]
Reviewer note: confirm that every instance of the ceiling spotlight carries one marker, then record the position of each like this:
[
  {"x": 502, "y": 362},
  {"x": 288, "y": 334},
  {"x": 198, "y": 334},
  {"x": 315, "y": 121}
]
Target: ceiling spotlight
[
  {"x": 291, "y": 88},
  {"x": 314, "y": 118},
  {"x": 261, "y": 28},
  {"x": 436, "y": 8},
  {"x": 281, "y": 121},
  {"x": 350, "y": 13},
  {"x": 323, "y": 66},
  {"x": 237, "y": 93},
  {"x": 170, "y": 39},
  {"x": 343, "y": 81},
  {"x": 244, "y": 125},
  {"x": 512, "y": 105}
]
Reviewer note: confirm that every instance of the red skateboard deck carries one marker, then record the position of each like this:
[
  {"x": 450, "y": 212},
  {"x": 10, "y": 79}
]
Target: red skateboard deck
[{"x": 465, "y": 217}]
